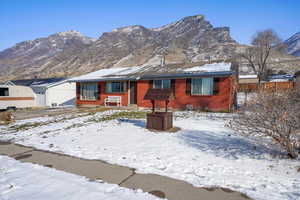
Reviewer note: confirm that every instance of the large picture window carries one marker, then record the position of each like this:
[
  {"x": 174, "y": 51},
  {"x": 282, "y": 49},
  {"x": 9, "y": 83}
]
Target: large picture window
[
  {"x": 202, "y": 86},
  {"x": 89, "y": 91},
  {"x": 115, "y": 87},
  {"x": 162, "y": 84},
  {"x": 4, "y": 92}
]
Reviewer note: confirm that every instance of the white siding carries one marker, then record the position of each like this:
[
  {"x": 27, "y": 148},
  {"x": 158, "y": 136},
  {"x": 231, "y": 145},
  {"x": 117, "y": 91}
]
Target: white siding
[
  {"x": 18, "y": 91},
  {"x": 17, "y": 104},
  {"x": 62, "y": 94},
  {"x": 40, "y": 96}
]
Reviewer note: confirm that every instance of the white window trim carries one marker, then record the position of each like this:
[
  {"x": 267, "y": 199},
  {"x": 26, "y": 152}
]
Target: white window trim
[{"x": 87, "y": 99}]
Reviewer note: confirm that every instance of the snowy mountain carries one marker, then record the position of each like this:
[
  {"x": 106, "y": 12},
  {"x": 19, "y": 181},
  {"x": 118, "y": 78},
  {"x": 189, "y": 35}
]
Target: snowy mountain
[
  {"x": 31, "y": 57},
  {"x": 190, "y": 39},
  {"x": 293, "y": 45}
]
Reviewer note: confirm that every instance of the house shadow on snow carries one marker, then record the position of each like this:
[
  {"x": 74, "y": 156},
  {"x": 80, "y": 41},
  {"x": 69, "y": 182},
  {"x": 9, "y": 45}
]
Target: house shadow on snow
[
  {"x": 220, "y": 144},
  {"x": 224, "y": 145},
  {"x": 135, "y": 122}
]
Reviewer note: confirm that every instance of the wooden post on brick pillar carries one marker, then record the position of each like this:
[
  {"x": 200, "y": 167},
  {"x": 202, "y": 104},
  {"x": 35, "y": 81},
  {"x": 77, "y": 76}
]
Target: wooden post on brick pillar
[
  {"x": 153, "y": 105},
  {"x": 167, "y": 102}
]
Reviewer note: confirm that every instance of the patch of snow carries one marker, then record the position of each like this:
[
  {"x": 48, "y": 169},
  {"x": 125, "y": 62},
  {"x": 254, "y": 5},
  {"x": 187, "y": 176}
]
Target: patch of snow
[
  {"x": 154, "y": 61},
  {"x": 164, "y": 27},
  {"x": 98, "y": 74},
  {"x": 243, "y": 98},
  {"x": 248, "y": 76},
  {"x": 213, "y": 67},
  {"x": 129, "y": 70},
  {"x": 70, "y": 32},
  {"x": 127, "y": 29},
  {"x": 124, "y": 59},
  {"x": 279, "y": 80},
  {"x": 104, "y": 73},
  {"x": 25, "y": 181},
  {"x": 204, "y": 152}
]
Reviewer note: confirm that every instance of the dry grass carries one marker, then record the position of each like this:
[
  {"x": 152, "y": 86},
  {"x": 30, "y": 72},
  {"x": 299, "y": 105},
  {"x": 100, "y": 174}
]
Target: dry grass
[{"x": 6, "y": 117}]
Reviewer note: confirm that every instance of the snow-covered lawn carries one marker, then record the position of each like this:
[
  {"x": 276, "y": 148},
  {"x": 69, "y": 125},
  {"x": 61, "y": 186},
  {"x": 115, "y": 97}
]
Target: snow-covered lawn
[
  {"x": 24, "y": 181},
  {"x": 204, "y": 152}
]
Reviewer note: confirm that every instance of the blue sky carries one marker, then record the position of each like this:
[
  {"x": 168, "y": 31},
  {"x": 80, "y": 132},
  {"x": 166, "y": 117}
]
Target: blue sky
[{"x": 29, "y": 19}]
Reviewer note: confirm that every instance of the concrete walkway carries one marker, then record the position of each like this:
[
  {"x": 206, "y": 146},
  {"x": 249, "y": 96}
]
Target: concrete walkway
[{"x": 160, "y": 186}]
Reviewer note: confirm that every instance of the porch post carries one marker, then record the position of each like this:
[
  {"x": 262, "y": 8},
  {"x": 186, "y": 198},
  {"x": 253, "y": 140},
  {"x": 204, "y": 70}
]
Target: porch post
[
  {"x": 153, "y": 105},
  {"x": 167, "y": 102}
]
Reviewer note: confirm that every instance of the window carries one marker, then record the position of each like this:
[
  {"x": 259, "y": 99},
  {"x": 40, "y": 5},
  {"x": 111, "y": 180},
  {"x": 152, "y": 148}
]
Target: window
[
  {"x": 202, "y": 86},
  {"x": 89, "y": 91},
  {"x": 115, "y": 87},
  {"x": 4, "y": 92},
  {"x": 162, "y": 84}
]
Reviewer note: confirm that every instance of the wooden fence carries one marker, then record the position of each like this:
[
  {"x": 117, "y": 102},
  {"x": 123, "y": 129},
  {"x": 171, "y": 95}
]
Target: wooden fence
[{"x": 274, "y": 86}]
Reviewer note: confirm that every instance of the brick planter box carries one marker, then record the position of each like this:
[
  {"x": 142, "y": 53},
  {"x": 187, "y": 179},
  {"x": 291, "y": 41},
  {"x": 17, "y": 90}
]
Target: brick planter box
[{"x": 160, "y": 121}]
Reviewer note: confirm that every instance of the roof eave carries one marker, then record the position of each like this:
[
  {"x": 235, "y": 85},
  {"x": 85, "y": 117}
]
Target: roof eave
[
  {"x": 157, "y": 76},
  {"x": 102, "y": 79},
  {"x": 189, "y": 75}
]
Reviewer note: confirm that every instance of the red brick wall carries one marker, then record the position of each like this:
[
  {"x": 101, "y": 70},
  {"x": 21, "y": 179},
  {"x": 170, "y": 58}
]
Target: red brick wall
[
  {"x": 102, "y": 96},
  {"x": 220, "y": 102}
]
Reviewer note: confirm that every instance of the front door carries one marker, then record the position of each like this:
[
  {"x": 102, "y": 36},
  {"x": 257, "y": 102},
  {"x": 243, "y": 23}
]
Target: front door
[{"x": 133, "y": 91}]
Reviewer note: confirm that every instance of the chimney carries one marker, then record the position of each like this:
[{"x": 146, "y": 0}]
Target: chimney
[
  {"x": 208, "y": 58},
  {"x": 162, "y": 62}
]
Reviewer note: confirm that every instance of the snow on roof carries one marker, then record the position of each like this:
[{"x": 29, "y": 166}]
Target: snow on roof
[
  {"x": 248, "y": 76},
  {"x": 138, "y": 72},
  {"x": 213, "y": 67},
  {"x": 129, "y": 70},
  {"x": 45, "y": 82},
  {"x": 120, "y": 71},
  {"x": 278, "y": 80},
  {"x": 281, "y": 76}
]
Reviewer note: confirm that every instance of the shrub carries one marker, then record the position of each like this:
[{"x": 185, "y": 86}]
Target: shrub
[
  {"x": 6, "y": 117},
  {"x": 275, "y": 115}
]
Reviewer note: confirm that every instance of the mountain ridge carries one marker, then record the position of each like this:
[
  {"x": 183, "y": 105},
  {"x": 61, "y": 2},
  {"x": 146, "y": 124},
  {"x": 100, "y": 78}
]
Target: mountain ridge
[
  {"x": 69, "y": 53},
  {"x": 293, "y": 44}
]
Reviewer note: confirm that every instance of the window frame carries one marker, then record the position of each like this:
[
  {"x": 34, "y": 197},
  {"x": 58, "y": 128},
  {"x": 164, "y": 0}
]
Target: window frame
[
  {"x": 162, "y": 84},
  {"x": 85, "y": 97},
  {"x": 197, "y": 94},
  {"x": 123, "y": 85}
]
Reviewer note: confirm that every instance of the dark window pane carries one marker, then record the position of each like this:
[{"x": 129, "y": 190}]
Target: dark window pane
[
  {"x": 89, "y": 91},
  {"x": 202, "y": 86},
  {"x": 162, "y": 84},
  {"x": 166, "y": 83},
  {"x": 115, "y": 87},
  {"x": 4, "y": 92},
  {"x": 157, "y": 84},
  {"x": 197, "y": 86}
]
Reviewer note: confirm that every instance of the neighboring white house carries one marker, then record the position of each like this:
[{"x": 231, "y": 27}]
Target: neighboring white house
[
  {"x": 50, "y": 92},
  {"x": 16, "y": 97}
]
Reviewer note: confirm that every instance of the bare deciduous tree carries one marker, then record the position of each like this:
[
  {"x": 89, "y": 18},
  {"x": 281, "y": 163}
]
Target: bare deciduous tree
[
  {"x": 273, "y": 114},
  {"x": 257, "y": 55}
]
